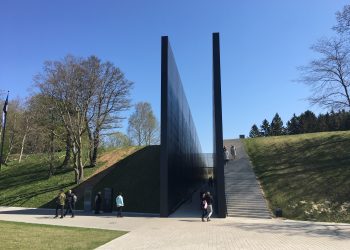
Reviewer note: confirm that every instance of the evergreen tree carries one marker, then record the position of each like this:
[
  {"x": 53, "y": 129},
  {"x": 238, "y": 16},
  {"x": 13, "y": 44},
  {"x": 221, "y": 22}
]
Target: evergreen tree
[
  {"x": 265, "y": 127},
  {"x": 254, "y": 132},
  {"x": 308, "y": 122},
  {"x": 293, "y": 126},
  {"x": 276, "y": 125}
]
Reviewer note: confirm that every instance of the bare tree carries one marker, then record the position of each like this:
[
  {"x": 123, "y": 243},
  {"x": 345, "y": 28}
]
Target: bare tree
[
  {"x": 329, "y": 75},
  {"x": 343, "y": 20},
  {"x": 143, "y": 126},
  {"x": 66, "y": 83},
  {"x": 111, "y": 97}
]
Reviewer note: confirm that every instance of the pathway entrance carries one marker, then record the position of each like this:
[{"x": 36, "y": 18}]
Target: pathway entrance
[{"x": 244, "y": 196}]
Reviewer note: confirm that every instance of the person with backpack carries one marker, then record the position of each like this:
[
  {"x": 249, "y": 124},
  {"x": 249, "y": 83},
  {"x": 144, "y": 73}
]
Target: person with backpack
[
  {"x": 71, "y": 199},
  {"x": 204, "y": 206},
  {"x": 60, "y": 200},
  {"x": 120, "y": 204}
]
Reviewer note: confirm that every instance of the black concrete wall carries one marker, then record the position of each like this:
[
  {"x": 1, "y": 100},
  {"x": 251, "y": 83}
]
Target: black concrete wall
[
  {"x": 218, "y": 155},
  {"x": 181, "y": 162}
]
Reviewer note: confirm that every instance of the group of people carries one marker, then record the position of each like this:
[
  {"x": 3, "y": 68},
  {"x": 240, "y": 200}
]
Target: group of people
[
  {"x": 69, "y": 200},
  {"x": 206, "y": 205},
  {"x": 63, "y": 200},
  {"x": 119, "y": 201},
  {"x": 227, "y": 154}
]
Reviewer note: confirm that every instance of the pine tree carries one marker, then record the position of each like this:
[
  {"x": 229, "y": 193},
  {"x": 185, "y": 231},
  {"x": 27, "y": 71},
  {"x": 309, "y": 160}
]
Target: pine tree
[
  {"x": 265, "y": 127},
  {"x": 293, "y": 126},
  {"x": 308, "y": 122},
  {"x": 254, "y": 132},
  {"x": 276, "y": 125}
]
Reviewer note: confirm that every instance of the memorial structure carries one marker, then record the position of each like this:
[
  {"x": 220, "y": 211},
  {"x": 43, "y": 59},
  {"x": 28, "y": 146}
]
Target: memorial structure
[
  {"x": 182, "y": 167},
  {"x": 218, "y": 144}
]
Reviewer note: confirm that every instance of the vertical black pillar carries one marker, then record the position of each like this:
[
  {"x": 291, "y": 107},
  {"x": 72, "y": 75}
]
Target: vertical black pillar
[
  {"x": 219, "y": 175},
  {"x": 164, "y": 210}
]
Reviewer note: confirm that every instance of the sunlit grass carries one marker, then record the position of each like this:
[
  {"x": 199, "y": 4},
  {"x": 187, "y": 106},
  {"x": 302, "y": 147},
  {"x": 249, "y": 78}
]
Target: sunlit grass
[
  {"x": 308, "y": 176},
  {"x": 16, "y": 235}
]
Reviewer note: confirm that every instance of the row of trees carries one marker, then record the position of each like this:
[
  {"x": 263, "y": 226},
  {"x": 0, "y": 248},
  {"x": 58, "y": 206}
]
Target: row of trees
[
  {"x": 306, "y": 122},
  {"x": 78, "y": 106}
]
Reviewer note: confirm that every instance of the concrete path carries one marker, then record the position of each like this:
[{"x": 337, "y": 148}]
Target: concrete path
[
  {"x": 244, "y": 196},
  {"x": 189, "y": 232}
]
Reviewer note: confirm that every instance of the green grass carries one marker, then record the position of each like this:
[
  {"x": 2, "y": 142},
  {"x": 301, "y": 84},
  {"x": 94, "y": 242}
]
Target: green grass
[
  {"x": 26, "y": 184},
  {"x": 308, "y": 176},
  {"x": 16, "y": 235},
  {"x": 137, "y": 177}
]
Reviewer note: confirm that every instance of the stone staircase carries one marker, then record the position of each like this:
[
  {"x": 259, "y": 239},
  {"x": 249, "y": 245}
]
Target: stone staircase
[{"x": 244, "y": 196}]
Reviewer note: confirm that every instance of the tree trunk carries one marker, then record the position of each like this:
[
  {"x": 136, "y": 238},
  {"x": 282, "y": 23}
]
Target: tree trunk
[
  {"x": 78, "y": 160},
  {"x": 91, "y": 143},
  {"x": 68, "y": 150},
  {"x": 22, "y": 147},
  {"x": 95, "y": 148}
]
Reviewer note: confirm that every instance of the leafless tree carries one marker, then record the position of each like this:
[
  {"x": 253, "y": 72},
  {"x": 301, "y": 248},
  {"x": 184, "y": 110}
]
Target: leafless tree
[
  {"x": 66, "y": 83},
  {"x": 329, "y": 75},
  {"x": 110, "y": 98},
  {"x": 89, "y": 96},
  {"x": 143, "y": 126},
  {"x": 343, "y": 20}
]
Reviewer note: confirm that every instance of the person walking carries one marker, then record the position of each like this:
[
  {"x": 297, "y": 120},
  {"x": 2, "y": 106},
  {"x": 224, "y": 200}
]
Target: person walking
[
  {"x": 98, "y": 201},
  {"x": 226, "y": 155},
  {"x": 120, "y": 204},
  {"x": 71, "y": 199},
  {"x": 233, "y": 151},
  {"x": 209, "y": 200},
  {"x": 204, "y": 206},
  {"x": 60, "y": 200}
]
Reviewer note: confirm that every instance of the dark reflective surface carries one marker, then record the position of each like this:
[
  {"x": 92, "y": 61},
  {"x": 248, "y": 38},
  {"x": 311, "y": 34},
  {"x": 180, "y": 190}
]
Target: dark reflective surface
[{"x": 182, "y": 164}]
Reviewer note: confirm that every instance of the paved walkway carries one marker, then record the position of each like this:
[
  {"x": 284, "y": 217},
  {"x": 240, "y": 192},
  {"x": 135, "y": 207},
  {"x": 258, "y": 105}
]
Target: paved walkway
[
  {"x": 186, "y": 231},
  {"x": 244, "y": 196}
]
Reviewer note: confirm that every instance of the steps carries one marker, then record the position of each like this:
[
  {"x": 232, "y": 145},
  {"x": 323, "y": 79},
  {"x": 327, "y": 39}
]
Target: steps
[{"x": 243, "y": 194}]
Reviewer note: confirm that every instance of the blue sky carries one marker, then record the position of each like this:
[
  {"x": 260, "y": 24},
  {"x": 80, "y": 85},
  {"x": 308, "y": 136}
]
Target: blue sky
[{"x": 262, "y": 43}]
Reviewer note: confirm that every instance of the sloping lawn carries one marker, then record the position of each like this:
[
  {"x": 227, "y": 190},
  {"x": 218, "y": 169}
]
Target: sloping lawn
[
  {"x": 17, "y": 235},
  {"x": 308, "y": 176},
  {"x": 137, "y": 177},
  {"x": 26, "y": 184}
]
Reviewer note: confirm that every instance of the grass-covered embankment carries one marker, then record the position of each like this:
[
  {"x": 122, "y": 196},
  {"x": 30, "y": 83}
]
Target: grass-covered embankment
[
  {"x": 17, "y": 235},
  {"x": 26, "y": 184},
  {"x": 308, "y": 175},
  {"x": 137, "y": 177}
]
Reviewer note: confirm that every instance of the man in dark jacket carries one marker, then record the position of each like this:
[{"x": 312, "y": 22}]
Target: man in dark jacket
[
  {"x": 98, "y": 201},
  {"x": 71, "y": 198}
]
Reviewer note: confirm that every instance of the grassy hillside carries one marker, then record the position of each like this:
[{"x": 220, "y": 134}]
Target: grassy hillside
[
  {"x": 137, "y": 177},
  {"x": 26, "y": 184},
  {"x": 308, "y": 176}
]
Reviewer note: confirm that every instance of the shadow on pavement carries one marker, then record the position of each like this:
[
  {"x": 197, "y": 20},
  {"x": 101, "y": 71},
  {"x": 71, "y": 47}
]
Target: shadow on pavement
[{"x": 335, "y": 231}]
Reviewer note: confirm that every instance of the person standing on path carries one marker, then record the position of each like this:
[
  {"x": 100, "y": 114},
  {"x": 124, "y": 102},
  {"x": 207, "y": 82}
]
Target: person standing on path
[
  {"x": 98, "y": 200},
  {"x": 204, "y": 206},
  {"x": 226, "y": 155},
  {"x": 61, "y": 197},
  {"x": 71, "y": 199},
  {"x": 233, "y": 151},
  {"x": 120, "y": 204},
  {"x": 209, "y": 200}
]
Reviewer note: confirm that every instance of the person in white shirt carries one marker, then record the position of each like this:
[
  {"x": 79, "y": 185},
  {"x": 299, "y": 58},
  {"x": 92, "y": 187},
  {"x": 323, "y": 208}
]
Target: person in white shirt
[{"x": 120, "y": 204}]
